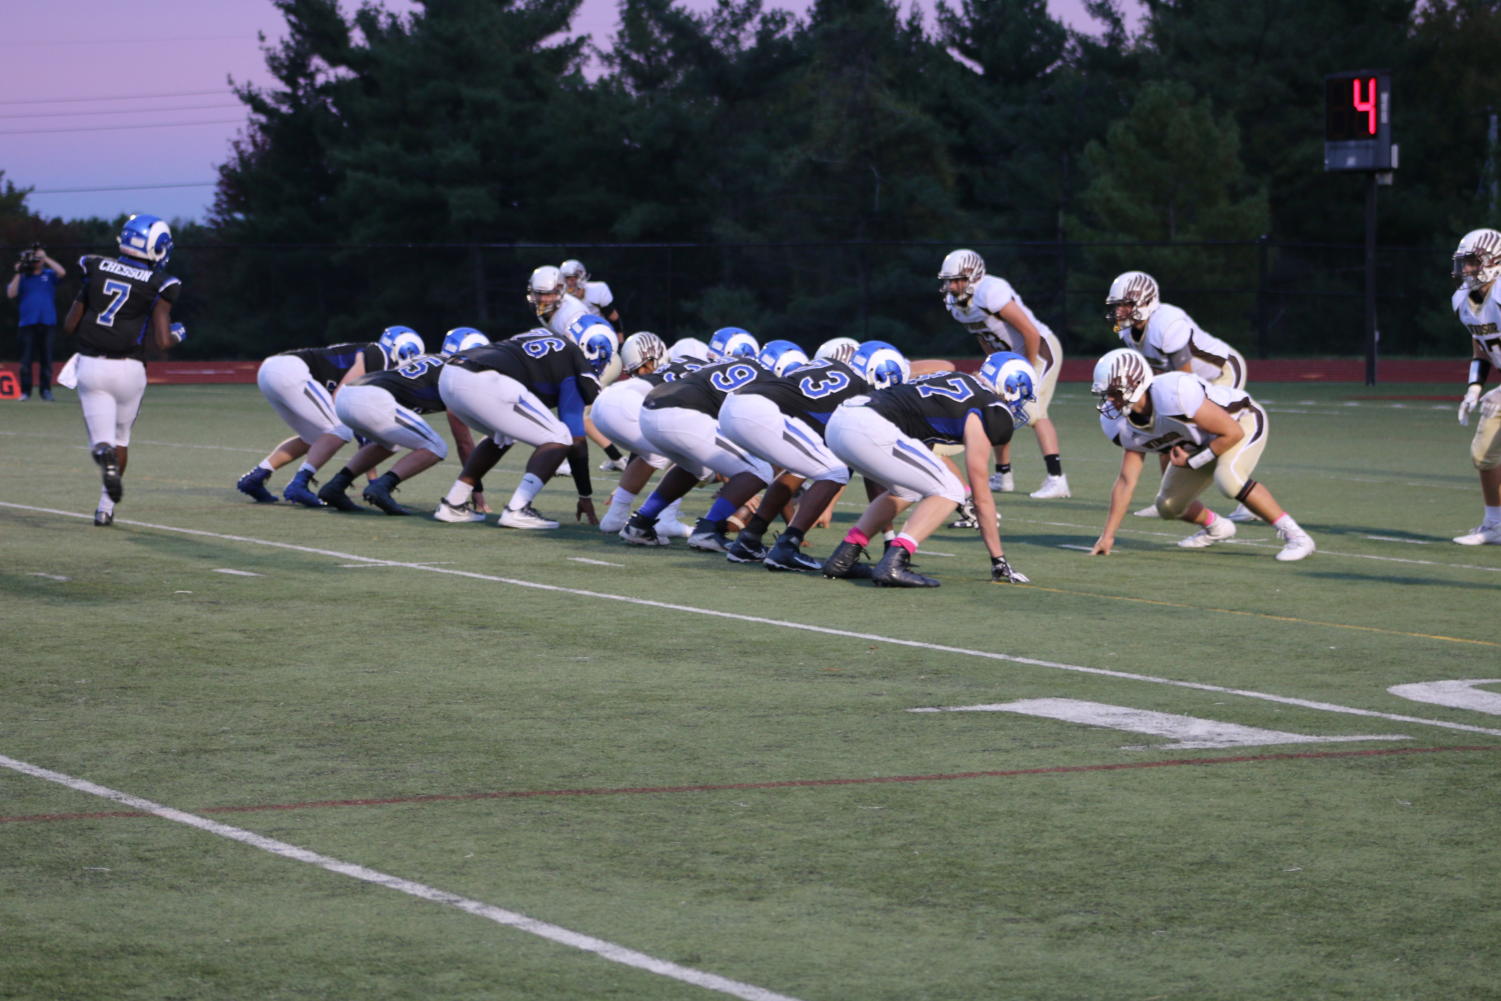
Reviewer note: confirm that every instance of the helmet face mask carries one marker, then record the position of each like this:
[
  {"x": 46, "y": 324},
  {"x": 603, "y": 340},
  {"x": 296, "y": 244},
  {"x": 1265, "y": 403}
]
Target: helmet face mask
[
  {"x": 145, "y": 237},
  {"x": 959, "y": 274},
  {"x": 733, "y": 342},
  {"x": 574, "y": 276},
  {"x": 1121, "y": 379},
  {"x": 881, "y": 365},
  {"x": 596, "y": 339},
  {"x": 1477, "y": 259},
  {"x": 401, "y": 344},
  {"x": 641, "y": 349},
  {"x": 1011, "y": 377},
  {"x": 543, "y": 290},
  {"x": 1132, "y": 299}
]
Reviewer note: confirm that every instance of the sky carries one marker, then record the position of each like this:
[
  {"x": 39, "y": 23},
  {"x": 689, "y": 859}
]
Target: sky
[{"x": 109, "y": 107}]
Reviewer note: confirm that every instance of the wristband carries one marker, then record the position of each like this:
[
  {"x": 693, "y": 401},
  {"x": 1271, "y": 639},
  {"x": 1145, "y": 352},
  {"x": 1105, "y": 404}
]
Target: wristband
[
  {"x": 1201, "y": 458},
  {"x": 1479, "y": 369}
]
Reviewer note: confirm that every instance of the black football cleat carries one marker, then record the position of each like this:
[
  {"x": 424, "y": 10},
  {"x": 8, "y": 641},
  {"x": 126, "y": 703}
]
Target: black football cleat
[
  {"x": 377, "y": 493},
  {"x": 895, "y": 570},
  {"x": 104, "y": 518},
  {"x": 108, "y": 462},
  {"x": 844, "y": 563},
  {"x": 745, "y": 548},
  {"x": 335, "y": 498},
  {"x": 786, "y": 556}
]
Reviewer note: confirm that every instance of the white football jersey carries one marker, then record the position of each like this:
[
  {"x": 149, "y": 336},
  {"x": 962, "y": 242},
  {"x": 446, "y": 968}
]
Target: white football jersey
[
  {"x": 598, "y": 298},
  {"x": 1171, "y": 338},
  {"x": 1176, "y": 397},
  {"x": 570, "y": 308},
  {"x": 981, "y": 317},
  {"x": 1483, "y": 323}
]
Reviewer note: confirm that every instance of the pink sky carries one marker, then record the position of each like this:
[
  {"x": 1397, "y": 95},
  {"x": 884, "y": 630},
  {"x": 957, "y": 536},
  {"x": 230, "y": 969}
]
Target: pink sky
[{"x": 156, "y": 143}]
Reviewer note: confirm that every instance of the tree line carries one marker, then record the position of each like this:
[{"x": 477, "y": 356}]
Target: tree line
[{"x": 802, "y": 176}]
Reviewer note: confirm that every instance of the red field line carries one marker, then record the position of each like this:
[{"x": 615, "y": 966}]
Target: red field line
[{"x": 783, "y": 784}]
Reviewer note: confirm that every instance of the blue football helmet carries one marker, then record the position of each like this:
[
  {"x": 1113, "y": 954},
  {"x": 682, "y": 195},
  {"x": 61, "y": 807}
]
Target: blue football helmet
[
  {"x": 401, "y": 344},
  {"x": 733, "y": 342},
  {"x": 782, "y": 356},
  {"x": 146, "y": 237},
  {"x": 881, "y": 365},
  {"x": 1011, "y": 377},
  {"x": 461, "y": 339},
  {"x": 597, "y": 339}
]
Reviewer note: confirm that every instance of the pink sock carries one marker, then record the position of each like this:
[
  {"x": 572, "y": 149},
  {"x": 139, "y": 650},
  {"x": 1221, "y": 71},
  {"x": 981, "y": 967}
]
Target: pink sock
[
  {"x": 906, "y": 541},
  {"x": 856, "y": 536}
]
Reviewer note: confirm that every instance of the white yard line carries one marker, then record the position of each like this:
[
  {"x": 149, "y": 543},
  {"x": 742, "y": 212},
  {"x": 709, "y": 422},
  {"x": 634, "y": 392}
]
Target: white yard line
[
  {"x": 810, "y": 628},
  {"x": 511, "y": 919}
]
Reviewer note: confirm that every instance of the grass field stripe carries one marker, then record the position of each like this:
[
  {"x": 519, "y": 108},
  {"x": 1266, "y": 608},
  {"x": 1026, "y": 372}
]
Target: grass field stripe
[
  {"x": 465, "y": 797},
  {"x": 1262, "y": 615},
  {"x": 511, "y": 919},
  {"x": 805, "y": 627}
]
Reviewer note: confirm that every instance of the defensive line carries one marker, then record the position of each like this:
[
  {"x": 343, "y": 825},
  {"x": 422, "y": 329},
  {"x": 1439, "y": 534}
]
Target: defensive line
[{"x": 799, "y": 626}]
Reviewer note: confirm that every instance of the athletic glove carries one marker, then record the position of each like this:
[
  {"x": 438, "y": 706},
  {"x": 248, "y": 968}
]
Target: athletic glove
[
  {"x": 1000, "y": 571},
  {"x": 179, "y": 332},
  {"x": 1472, "y": 396}
]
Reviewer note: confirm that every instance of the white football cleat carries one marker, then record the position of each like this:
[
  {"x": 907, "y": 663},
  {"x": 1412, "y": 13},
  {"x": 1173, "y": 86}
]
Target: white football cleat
[
  {"x": 1242, "y": 514},
  {"x": 527, "y": 517},
  {"x": 1222, "y": 529},
  {"x": 1484, "y": 535},
  {"x": 455, "y": 513},
  {"x": 1150, "y": 511},
  {"x": 1299, "y": 544},
  {"x": 1002, "y": 483},
  {"x": 613, "y": 465},
  {"x": 668, "y": 525},
  {"x": 615, "y": 518},
  {"x": 564, "y": 469},
  {"x": 1053, "y": 488}
]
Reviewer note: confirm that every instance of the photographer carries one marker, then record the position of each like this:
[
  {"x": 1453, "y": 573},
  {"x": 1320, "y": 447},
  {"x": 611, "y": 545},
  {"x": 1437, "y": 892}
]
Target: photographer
[{"x": 35, "y": 283}]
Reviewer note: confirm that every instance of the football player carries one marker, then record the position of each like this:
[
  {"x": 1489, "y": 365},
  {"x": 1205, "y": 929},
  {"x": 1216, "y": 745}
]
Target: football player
[
  {"x": 596, "y": 296},
  {"x": 554, "y": 307},
  {"x": 989, "y": 308},
  {"x": 1171, "y": 341},
  {"x": 886, "y": 435},
  {"x": 1477, "y": 304},
  {"x": 300, "y": 386},
  {"x": 123, "y": 306},
  {"x": 1210, "y": 434}
]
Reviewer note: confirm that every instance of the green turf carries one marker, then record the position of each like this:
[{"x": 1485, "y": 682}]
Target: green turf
[{"x": 631, "y": 771}]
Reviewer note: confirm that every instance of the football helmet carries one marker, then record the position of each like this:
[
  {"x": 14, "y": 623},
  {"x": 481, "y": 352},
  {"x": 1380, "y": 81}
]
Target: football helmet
[
  {"x": 1477, "y": 259},
  {"x": 401, "y": 344},
  {"x": 1124, "y": 372},
  {"x": 146, "y": 237},
  {"x": 461, "y": 339},
  {"x": 961, "y": 266},
  {"x": 1011, "y": 377},
  {"x": 574, "y": 276},
  {"x": 733, "y": 342},
  {"x": 641, "y": 349},
  {"x": 1132, "y": 299},
  {"x": 782, "y": 356},
  {"x": 543, "y": 289},
  {"x": 881, "y": 365},
  {"x": 838, "y": 349},
  {"x": 597, "y": 339},
  {"x": 688, "y": 349}
]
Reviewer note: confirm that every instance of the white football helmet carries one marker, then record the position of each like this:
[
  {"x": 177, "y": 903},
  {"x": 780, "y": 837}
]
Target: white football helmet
[
  {"x": 733, "y": 342},
  {"x": 543, "y": 290},
  {"x": 838, "y": 349},
  {"x": 1132, "y": 299},
  {"x": 881, "y": 365},
  {"x": 1120, "y": 372},
  {"x": 641, "y": 349},
  {"x": 1477, "y": 259},
  {"x": 688, "y": 349},
  {"x": 782, "y": 357},
  {"x": 964, "y": 266},
  {"x": 461, "y": 339},
  {"x": 574, "y": 276},
  {"x": 1011, "y": 377}
]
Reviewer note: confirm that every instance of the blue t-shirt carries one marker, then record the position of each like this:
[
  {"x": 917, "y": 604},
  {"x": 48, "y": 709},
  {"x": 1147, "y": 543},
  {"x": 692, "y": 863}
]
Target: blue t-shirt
[{"x": 37, "y": 298}]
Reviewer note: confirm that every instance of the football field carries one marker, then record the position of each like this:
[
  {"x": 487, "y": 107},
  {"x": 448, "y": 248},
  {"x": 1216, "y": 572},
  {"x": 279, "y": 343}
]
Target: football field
[{"x": 263, "y": 752}]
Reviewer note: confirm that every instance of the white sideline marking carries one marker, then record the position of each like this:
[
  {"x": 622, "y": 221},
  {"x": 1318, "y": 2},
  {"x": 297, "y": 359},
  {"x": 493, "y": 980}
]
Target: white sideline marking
[
  {"x": 50, "y": 576},
  {"x": 238, "y": 573},
  {"x": 386, "y": 563},
  {"x": 804, "y": 627},
  {"x": 1070, "y": 545},
  {"x": 607, "y": 950},
  {"x": 597, "y": 563},
  {"x": 1393, "y": 538}
]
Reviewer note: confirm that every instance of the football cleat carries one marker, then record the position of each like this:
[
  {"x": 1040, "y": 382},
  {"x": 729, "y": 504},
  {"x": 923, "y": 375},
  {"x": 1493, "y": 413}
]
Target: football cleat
[
  {"x": 1298, "y": 545},
  {"x": 1053, "y": 488},
  {"x": 844, "y": 562},
  {"x": 253, "y": 484},
  {"x": 895, "y": 570},
  {"x": 615, "y": 518},
  {"x": 1484, "y": 535},
  {"x": 707, "y": 538},
  {"x": 379, "y": 494},
  {"x": 108, "y": 462},
  {"x": 1150, "y": 511},
  {"x": 297, "y": 491},
  {"x": 1242, "y": 514},
  {"x": 334, "y": 496},
  {"x": 638, "y": 533},
  {"x": 1222, "y": 529},
  {"x": 104, "y": 518},
  {"x": 785, "y": 556},
  {"x": 613, "y": 465},
  {"x": 458, "y": 513},
  {"x": 527, "y": 517},
  {"x": 745, "y": 548},
  {"x": 1002, "y": 483}
]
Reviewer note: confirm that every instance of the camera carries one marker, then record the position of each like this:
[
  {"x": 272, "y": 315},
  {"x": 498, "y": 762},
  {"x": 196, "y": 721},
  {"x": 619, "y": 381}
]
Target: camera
[{"x": 29, "y": 256}]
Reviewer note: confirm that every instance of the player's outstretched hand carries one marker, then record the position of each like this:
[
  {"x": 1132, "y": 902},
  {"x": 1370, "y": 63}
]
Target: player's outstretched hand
[{"x": 586, "y": 510}]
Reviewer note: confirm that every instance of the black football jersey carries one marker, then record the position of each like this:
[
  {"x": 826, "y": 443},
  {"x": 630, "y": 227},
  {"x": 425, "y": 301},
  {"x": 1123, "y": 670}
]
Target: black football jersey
[
  {"x": 673, "y": 372},
  {"x": 330, "y": 364},
  {"x": 933, "y": 408},
  {"x": 118, "y": 296},
  {"x": 552, "y": 367},
  {"x": 704, "y": 390},
  {"x": 812, "y": 392},
  {"x": 415, "y": 384}
]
